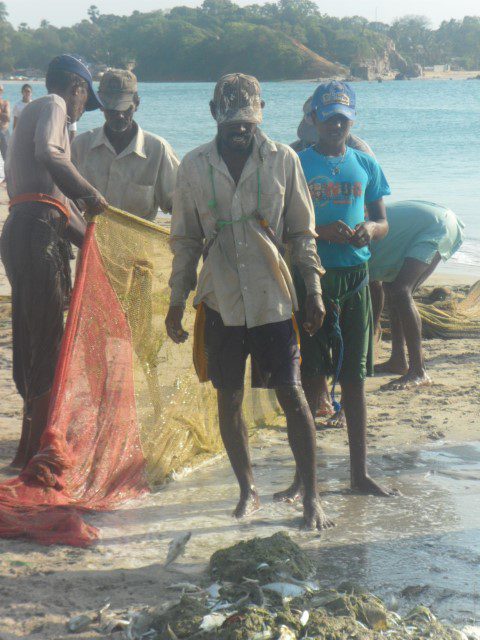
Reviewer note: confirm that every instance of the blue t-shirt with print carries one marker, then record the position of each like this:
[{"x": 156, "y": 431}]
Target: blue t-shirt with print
[{"x": 358, "y": 180}]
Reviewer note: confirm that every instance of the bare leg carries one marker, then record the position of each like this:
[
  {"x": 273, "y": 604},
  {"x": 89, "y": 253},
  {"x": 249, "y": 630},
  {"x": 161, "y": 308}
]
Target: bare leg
[
  {"x": 411, "y": 275},
  {"x": 235, "y": 438},
  {"x": 397, "y": 363},
  {"x": 37, "y": 424},
  {"x": 355, "y": 406},
  {"x": 20, "y": 458},
  {"x": 301, "y": 436},
  {"x": 377, "y": 295},
  {"x": 316, "y": 390}
]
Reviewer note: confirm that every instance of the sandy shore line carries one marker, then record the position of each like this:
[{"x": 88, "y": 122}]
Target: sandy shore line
[{"x": 42, "y": 587}]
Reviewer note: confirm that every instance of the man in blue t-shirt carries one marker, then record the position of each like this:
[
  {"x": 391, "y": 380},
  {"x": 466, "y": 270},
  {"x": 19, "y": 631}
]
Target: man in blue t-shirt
[{"x": 342, "y": 182}]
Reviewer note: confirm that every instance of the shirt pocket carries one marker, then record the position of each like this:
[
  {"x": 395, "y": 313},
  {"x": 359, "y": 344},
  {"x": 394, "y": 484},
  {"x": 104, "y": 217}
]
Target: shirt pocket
[
  {"x": 272, "y": 203},
  {"x": 139, "y": 199}
]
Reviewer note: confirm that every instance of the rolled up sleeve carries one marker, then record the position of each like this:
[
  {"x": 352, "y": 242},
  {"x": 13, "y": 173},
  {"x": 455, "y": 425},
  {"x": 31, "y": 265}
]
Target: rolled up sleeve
[
  {"x": 186, "y": 241},
  {"x": 166, "y": 179},
  {"x": 300, "y": 228}
]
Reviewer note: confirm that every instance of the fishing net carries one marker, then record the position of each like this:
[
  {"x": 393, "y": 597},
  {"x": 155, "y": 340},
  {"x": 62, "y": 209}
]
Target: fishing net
[
  {"x": 127, "y": 409},
  {"x": 453, "y": 318},
  {"x": 456, "y": 316}
]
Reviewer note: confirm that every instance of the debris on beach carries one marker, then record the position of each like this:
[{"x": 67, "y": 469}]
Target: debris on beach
[
  {"x": 176, "y": 548},
  {"x": 79, "y": 623},
  {"x": 254, "y": 597},
  {"x": 262, "y": 559}
]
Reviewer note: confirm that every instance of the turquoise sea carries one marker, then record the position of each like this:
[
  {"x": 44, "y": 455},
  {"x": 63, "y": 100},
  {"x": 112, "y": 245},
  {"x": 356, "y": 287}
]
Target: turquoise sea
[{"x": 426, "y": 135}]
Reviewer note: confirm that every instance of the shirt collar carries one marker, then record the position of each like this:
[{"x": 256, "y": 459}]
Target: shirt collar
[{"x": 137, "y": 144}]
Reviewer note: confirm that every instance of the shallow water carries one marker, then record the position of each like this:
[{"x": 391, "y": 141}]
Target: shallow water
[{"x": 426, "y": 542}]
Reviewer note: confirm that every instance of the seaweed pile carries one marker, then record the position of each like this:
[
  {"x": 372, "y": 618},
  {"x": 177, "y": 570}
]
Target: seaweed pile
[{"x": 263, "y": 589}]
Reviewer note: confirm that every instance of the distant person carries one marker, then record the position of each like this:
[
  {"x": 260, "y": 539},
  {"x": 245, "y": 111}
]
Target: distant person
[
  {"x": 236, "y": 198},
  {"x": 308, "y": 135},
  {"x": 4, "y": 124},
  {"x": 421, "y": 234},
  {"x": 135, "y": 170},
  {"x": 342, "y": 182},
  {"x": 34, "y": 242},
  {"x": 20, "y": 106}
]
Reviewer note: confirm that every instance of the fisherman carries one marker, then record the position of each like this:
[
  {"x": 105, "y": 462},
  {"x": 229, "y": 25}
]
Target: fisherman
[
  {"x": 342, "y": 182},
  {"x": 236, "y": 198},
  {"x": 308, "y": 135},
  {"x": 421, "y": 234},
  {"x": 135, "y": 170},
  {"x": 34, "y": 245}
]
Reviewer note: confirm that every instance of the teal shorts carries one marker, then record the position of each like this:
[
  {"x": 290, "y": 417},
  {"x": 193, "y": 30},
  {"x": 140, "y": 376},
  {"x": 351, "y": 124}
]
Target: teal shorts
[{"x": 320, "y": 352}]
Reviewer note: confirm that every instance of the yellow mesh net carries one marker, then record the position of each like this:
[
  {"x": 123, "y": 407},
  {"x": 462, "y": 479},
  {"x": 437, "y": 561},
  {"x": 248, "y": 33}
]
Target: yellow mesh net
[{"x": 177, "y": 415}]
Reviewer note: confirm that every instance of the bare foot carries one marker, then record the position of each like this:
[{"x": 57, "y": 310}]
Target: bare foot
[
  {"x": 314, "y": 516},
  {"x": 290, "y": 495},
  {"x": 408, "y": 381},
  {"x": 390, "y": 366},
  {"x": 325, "y": 408},
  {"x": 248, "y": 504},
  {"x": 337, "y": 421},
  {"x": 367, "y": 485}
]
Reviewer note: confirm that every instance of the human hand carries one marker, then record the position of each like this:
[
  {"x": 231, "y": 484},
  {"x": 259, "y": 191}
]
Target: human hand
[
  {"x": 337, "y": 232},
  {"x": 173, "y": 323},
  {"x": 362, "y": 235},
  {"x": 314, "y": 313},
  {"x": 95, "y": 204}
]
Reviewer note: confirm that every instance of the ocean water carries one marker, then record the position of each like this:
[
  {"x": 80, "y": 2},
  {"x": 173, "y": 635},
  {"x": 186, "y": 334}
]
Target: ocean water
[{"x": 426, "y": 135}]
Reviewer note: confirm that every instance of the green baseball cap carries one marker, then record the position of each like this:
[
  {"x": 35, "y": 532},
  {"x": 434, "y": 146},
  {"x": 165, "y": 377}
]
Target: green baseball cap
[{"x": 117, "y": 89}]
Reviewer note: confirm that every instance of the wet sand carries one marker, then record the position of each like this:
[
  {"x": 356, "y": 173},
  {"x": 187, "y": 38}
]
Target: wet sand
[{"x": 425, "y": 543}]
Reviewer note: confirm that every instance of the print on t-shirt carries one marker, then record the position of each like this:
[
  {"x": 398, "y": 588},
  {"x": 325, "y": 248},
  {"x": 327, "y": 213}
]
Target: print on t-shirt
[{"x": 339, "y": 190}]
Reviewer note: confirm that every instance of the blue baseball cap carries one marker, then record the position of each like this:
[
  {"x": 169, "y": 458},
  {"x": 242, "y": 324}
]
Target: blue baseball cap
[
  {"x": 69, "y": 63},
  {"x": 332, "y": 98}
]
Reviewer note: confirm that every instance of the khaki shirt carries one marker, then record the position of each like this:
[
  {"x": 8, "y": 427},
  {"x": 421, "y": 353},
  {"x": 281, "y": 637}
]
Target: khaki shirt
[
  {"x": 139, "y": 180},
  {"x": 244, "y": 277},
  {"x": 41, "y": 134}
]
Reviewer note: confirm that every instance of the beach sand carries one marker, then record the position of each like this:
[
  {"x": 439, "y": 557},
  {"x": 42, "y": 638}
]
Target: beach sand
[{"x": 40, "y": 587}]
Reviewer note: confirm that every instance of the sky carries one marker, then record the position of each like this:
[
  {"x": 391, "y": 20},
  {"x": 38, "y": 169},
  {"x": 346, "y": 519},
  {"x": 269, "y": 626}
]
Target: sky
[{"x": 61, "y": 13}]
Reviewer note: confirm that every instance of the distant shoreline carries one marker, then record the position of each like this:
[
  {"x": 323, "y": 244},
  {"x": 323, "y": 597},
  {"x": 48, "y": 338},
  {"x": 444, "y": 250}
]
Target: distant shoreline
[{"x": 429, "y": 75}]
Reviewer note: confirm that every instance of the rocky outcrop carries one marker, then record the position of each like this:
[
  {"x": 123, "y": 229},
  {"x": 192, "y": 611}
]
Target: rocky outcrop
[{"x": 389, "y": 61}]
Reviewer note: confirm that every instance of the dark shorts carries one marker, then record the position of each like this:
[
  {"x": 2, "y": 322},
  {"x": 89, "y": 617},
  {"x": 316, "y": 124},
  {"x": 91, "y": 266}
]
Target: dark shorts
[
  {"x": 36, "y": 260},
  {"x": 319, "y": 352},
  {"x": 273, "y": 348}
]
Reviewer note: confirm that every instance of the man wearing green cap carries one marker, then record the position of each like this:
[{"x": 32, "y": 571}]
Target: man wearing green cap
[
  {"x": 35, "y": 239},
  {"x": 237, "y": 198},
  {"x": 135, "y": 170}
]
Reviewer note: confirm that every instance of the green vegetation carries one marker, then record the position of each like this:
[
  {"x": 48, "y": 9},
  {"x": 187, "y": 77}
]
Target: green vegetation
[{"x": 202, "y": 43}]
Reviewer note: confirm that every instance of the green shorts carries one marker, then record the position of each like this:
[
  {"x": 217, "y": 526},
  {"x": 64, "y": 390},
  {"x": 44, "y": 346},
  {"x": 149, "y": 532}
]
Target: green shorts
[{"x": 320, "y": 352}]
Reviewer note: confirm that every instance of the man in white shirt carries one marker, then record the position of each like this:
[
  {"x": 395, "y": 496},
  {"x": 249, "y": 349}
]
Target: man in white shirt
[
  {"x": 237, "y": 198},
  {"x": 21, "y": 104},
  {"x": 134, "y": 170}
]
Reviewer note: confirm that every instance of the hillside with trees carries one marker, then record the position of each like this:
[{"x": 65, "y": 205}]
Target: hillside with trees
[{"x": 277, "y": 40}]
